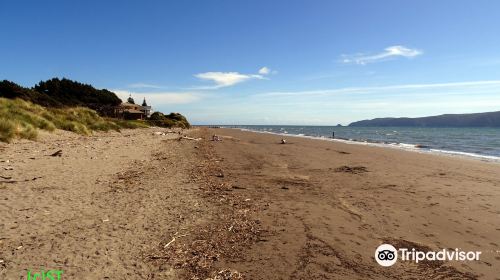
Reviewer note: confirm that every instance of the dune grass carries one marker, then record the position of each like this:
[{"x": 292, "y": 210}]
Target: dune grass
[{"x": 22, "y": 119}]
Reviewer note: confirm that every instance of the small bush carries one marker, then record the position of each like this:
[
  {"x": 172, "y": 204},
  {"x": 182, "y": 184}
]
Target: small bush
[
  {"x": 132, "y": 124},
  {"x": 7, "y": 130},
  {"x": 170, "y": 120}
]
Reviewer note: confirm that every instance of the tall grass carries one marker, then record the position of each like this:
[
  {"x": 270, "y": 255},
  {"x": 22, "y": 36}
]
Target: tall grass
[{"x": 22, "y": 119}]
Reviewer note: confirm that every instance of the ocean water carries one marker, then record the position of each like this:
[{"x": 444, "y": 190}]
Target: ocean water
[{"x": 483, "y": 143}]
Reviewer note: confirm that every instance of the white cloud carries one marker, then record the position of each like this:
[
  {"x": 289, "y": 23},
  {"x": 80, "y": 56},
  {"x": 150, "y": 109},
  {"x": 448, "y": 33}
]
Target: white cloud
[
  {"x": 156, "y": 99},
  {"x": 143, "y": 85},
  {"x": 455, "y": 88},
  {"x": 388, "y": 53},
  {"x": 264, "y": 70},
  {"x": 226, "y": 79}
]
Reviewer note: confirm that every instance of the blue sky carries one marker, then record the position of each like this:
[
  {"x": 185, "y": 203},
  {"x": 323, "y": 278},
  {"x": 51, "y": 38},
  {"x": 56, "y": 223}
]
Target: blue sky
[{"x": 265, "y": 62}]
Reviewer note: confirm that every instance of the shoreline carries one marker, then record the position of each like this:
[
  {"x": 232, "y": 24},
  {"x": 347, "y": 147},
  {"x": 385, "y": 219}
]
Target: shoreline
[{"x": 398, "y": 146}]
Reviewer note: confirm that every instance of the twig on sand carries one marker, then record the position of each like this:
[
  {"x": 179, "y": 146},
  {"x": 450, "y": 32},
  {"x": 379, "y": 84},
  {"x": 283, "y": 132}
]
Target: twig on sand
[
  {"x": 56, "y": 154},
  {"x": 173, "y": 239},
  {"x": 16, "y": 181},
  {"x": 190, "y": 138}
]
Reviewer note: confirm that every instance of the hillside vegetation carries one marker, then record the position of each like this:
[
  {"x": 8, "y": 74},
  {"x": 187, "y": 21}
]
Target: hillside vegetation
[
  {"x": 22, "y": 119},
  {"x": 60, "y": 93},
  {"x": 170, "y": 120},
  {"x": 68, "y": 105}
]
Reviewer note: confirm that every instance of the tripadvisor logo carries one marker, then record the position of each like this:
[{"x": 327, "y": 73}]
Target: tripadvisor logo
[{"x": 387, "y": 255}]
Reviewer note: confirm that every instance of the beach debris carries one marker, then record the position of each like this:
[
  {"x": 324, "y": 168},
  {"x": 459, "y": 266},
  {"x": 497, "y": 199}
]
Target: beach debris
[
  {"x": 105, "y": 220},
  {"x": 283, "y": 141},
  {"x": 215, "y": 137},
  {"x": 226, "y": 274},
  {"x": 19, "y": 247},
  {"x": 420, "y": 146},
  {"x": 351, "y": 169},
  {"x": 189, "y": 138},
  {"x": 16, "y": 181},
  {"x": 220, "y": 175},
  {"x": 174, "y": 238},
  {"x": 8, "y": 168},
  {"x": 57, "y": 154}
]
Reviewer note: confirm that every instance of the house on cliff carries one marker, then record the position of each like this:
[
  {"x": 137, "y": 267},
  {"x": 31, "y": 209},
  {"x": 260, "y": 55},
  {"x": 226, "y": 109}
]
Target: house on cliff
[{"x": 131, "y": 111}]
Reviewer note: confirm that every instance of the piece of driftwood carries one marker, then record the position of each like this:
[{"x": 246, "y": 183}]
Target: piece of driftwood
[
  {"x": 190, "y": 138},
  {"x": 173, "y": 239},
  {"x": 17, "y": 181},
  {"x": 57, "y": 154}
]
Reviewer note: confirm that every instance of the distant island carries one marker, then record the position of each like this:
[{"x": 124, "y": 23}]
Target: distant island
[{"x": 489, "y": 119}]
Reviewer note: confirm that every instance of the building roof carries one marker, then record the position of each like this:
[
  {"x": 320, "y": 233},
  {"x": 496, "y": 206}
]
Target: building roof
[{"x": 133, "y": 111}]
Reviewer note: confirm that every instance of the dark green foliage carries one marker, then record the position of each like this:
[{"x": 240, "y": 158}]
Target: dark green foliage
[
  {"x": 68, "y": 99},
  {"x": 170, "y": 120},
  {"x": 72, "y": 94},
  {"x": 12, "y": 90},
  {"x": 130, "y": 100},
  {"x": 56, "y": 93}
]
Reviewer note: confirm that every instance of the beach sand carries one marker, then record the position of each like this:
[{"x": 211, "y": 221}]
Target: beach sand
[{"x": 138, "y": 205}]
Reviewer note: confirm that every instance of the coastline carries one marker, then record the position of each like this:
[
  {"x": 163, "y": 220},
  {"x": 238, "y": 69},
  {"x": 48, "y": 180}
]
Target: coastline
[{"x": 400, "y": 146}]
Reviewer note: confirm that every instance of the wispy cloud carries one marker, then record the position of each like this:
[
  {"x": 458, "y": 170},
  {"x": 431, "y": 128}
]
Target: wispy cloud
[
  {"x": 160, "y": 98},
  {"x": 143, "y": 85},
  {"x": 226, "y": 79},
  {"x": 457, "y": 88},
  {"x": 388, "y": 53}
]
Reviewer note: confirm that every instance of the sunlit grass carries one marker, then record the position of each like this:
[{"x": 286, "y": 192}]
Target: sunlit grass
[{"x": 22, "y": 119}]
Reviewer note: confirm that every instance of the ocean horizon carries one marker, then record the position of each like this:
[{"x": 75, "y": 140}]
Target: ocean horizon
[{"x": 479, "y": 143}]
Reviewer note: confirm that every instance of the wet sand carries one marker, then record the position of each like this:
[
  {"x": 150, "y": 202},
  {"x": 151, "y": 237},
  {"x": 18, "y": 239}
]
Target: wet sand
[
  {"x": 138, "y": 205},
  {"x": 324, "y": 220}
]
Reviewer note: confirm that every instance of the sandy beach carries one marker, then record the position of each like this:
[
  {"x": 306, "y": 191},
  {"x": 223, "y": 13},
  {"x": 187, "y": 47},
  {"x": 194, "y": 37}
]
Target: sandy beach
[{"x": 147, "y": 204}]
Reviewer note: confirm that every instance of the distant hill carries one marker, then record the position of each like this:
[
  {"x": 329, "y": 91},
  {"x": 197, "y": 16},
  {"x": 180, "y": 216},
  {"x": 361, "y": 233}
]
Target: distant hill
[{"x": 490, "y": 119}]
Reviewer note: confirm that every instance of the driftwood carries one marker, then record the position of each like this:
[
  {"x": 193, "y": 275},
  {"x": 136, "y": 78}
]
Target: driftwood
[
  {"x": 190, "y": 138},
  {"x": 17, "y": 181},
  {"x": 57, "y": 154},
  {"x": 173, "y": 239}
]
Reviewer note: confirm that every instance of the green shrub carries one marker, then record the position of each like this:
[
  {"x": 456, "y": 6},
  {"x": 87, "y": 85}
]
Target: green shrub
[
  {"x": 7, "y": 130},
  {"x": 170, "y": 120}
]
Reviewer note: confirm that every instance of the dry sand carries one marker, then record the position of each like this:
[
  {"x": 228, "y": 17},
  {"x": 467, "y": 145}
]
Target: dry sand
[{"x": 136, "y": 205}]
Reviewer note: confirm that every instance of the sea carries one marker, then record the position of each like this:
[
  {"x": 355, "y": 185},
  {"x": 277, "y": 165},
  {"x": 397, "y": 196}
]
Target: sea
[{"x": 479, "y": 143}]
